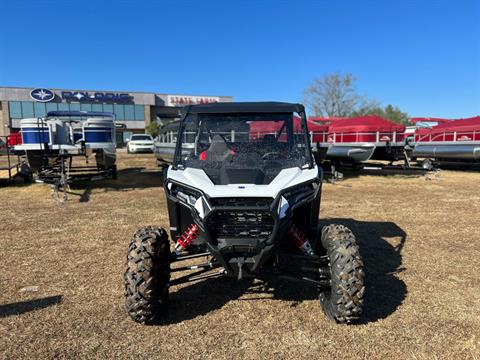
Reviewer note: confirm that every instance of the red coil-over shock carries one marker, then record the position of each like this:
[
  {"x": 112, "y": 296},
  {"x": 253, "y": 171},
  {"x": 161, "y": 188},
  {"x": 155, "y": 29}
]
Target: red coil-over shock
[
  {"x": 300, "y": 240},
  {"x": 187, "y": 238}
]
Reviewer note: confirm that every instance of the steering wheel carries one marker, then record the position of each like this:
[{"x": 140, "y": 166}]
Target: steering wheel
[{"x": 273, "y": 155}]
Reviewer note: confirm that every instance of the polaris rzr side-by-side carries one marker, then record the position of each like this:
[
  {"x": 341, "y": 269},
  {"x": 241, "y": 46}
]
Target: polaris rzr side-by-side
[{"x": 244, "y": 192}]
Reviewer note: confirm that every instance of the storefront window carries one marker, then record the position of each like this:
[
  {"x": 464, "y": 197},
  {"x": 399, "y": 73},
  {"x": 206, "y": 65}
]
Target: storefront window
[
  {"x": 119, "y": 112},
  {"x": 108, "y": 108},
  {"x": 97, "y": 107},
  {"x": 129, "y": 112},
  {"x": 63, "y": 107},
  {"x": 27, "y": 109},
  {"x": 139, "y": 113},
  {"x": 86, "y": 107},
  {"x": 52, "y": 107},
  {"x": 39, "y": 109},
  {"x": 15, "y": 109}
]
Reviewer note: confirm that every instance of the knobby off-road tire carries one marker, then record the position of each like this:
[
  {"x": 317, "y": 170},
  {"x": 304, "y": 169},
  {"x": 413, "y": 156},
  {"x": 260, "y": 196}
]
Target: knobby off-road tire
[
  {"x": 147, "y": 275},
  {"x": 343, "y": 302}
]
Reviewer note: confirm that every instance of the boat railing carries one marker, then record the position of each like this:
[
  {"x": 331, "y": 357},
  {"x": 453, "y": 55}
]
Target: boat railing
[
  {"x": 356, "y": 137},
  {"x": 9, "y": 162},
  {"x": 170, "y": 137},
  {"x": 449, "y": 136}
]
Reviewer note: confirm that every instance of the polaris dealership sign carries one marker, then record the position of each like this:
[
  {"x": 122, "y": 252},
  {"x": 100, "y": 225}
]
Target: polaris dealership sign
[
  {"x": 46, "y": 95},
  {"x": 42, "y": 95},
  {"x": 96, "y": 96}
]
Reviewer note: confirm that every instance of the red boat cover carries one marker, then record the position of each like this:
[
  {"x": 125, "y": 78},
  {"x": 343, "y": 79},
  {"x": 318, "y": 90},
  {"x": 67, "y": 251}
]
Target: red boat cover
[
  {"x": 370, "y": 123},
  {"x": 470, "y": 124},
  {"x": 316, "y": 126}
]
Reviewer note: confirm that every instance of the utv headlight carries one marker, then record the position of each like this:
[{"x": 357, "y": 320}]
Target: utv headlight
[
  {"x": 283, "y": 206},
  {"x": 190, "y": 197},
  {"x": 186, "y": 198},
  {"x": 299, "y": 194},
  {"x": 202, "y": 207}
]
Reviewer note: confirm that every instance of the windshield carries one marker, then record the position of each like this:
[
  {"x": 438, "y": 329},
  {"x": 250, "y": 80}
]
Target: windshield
[
  {"x": 242, "y": 148},
  {"x": 141, "y": 137}
]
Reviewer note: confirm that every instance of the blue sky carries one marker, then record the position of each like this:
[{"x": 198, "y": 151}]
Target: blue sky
[{"x": 423, "y": 56}]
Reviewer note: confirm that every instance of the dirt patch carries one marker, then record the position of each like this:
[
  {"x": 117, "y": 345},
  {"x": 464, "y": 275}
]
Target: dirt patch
[{"x": 419, "y": 238}]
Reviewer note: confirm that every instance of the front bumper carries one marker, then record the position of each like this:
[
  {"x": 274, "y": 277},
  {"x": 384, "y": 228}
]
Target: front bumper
[
  {"x": 241, "y": 233},
  {"x": 142, "y": 148}
]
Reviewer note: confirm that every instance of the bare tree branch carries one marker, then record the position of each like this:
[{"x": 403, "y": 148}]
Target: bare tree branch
[{"x": 333, "y": 95}]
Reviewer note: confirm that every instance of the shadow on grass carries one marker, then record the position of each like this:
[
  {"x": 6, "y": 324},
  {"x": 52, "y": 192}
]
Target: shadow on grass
[
  {"x": 200, "y": 298},
  {"x": 384, "y": 291},
  {"x": 128, "y": 179},
  {"x": 29, "y": 305}
]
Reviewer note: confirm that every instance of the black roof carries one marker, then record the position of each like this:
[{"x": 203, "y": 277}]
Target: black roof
[{"x": 246, "y": 107}]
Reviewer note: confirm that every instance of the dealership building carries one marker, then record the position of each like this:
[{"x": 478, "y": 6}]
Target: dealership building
[{"x": 135, "y": 110}]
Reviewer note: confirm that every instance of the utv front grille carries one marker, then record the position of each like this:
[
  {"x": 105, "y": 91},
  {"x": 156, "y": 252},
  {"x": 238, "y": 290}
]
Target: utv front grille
[
  {"x": 241, "y": 224},
  {"x": 252, "y": 202}
]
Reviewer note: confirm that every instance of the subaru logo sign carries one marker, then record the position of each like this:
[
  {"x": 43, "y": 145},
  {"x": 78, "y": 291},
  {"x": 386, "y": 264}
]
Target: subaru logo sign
[{"x": 42, "y": 95}]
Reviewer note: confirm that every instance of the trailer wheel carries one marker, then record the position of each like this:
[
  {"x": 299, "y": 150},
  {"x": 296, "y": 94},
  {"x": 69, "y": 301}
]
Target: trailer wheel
[
  {"x": 427, "y": 164},
  {"x": 147, "y": 275},
  {"x": 114, "y": 172},
  {"x": 26, "y": 173},
  {"x": 343, "y": 301}
]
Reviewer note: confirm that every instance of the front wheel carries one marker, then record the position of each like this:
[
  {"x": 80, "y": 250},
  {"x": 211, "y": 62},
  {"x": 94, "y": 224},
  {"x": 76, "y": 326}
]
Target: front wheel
[
  {"x": 343, "y": 301},
  {"x": 147, "y": 275}
]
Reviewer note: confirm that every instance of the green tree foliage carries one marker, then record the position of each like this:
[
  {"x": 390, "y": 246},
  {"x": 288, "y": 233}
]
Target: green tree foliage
[
  {"x": 152, "y": 129},
  {"x": 389, "y": 112}
]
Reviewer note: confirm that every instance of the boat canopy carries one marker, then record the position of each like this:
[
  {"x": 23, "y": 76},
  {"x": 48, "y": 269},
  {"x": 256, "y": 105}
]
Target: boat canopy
[
  {"x": 470, "y": 124},
  {"x": 370, "y": 123}
]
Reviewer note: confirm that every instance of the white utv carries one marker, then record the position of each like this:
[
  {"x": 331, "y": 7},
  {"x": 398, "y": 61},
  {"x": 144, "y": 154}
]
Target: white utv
[{"x": 243, "y": 192}]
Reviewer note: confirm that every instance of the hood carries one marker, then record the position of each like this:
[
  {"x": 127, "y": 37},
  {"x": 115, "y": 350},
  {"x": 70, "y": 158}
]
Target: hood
[{"x": 286, "y": 178}]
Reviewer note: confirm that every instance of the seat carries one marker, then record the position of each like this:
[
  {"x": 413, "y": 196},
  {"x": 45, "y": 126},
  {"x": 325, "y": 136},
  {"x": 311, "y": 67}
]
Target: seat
[{"x": 218, "y": 150}]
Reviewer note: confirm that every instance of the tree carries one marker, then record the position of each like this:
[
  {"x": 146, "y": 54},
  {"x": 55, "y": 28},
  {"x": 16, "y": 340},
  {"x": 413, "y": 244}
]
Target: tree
[
  {"x": 334, "y": 95},
  {"x": 152, "y": 128},
  {"x": 390, "y": 112}
]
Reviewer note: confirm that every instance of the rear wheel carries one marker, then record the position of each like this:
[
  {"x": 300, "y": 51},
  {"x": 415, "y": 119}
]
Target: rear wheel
[
  {"x": 147, "y": 275},
  {"x": 343, "y": 302}
]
